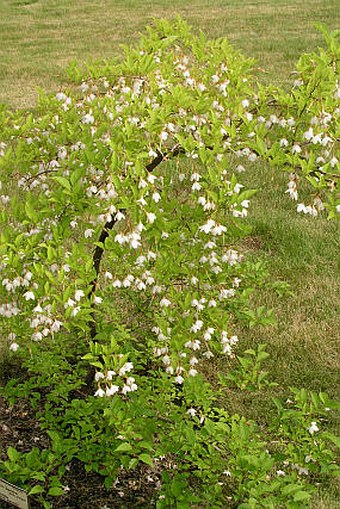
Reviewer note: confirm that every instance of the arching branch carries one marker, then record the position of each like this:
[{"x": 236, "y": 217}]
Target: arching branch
[{"x": 99, "y": 250}]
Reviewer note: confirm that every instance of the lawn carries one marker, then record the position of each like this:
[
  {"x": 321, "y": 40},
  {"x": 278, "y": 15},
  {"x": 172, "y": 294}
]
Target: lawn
[{"x": 39, "y": 38}]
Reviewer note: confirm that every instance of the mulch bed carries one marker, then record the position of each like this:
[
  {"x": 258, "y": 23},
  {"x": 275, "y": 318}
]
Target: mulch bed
[{"x": 20, "y": 429}]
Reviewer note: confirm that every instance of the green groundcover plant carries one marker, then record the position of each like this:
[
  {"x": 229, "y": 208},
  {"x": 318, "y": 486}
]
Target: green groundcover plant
[{"x": 122, "y": 283}]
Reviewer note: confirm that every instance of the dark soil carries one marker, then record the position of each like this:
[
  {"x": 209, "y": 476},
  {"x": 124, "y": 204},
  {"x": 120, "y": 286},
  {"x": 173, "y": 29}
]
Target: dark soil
[{"x": 20, "y": 429}]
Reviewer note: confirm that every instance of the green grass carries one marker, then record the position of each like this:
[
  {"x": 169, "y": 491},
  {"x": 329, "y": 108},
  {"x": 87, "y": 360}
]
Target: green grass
[
  {"x": 38, "y": 39},
  {"x": 304, "y": 253}
]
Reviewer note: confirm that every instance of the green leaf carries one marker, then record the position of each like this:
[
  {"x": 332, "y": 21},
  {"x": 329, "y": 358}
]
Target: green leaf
[
  {"x": 56, "y": 491},
  {"x": 301, "y": 495},
  {"x": 146, "y": 458},
  {"x": 39, "y": 476},
  {"x": 124, "y": 447},
  {"x": 36, "y": 490},
  {"x": 290, "y": 489},
  {"x": 63, "y": 182},
  {"x": 133, "y": 463},
  {"x": 97, "y": 364},
  {"x": 261, "y": 356},
  {"x": 13, "y": 454},
  {"x": 145, "y": 445},
  {"x": 108, "y": 482},
  {"x": 30, "y": 210}
]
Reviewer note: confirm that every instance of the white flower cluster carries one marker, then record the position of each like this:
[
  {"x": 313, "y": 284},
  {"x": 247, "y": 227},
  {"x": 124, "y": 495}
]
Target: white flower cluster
[
  {"x": 186, "y": 361},
  {"x": 313, "y": 428},
  {"x": 124, "y": 383},
  {"x": 228, "y": 343},
  {"x": 9, "y": 309},
  {"x": 17, "y": 282},
  {"x": 65, "y": 100},
  {"x": 200, "y": 336},
  {"x": 292, "y": 189},
  {"x": 212, "y": 227},
  {"x": 13, "y": 344},
  {"x": 307, "y": 209},
  {"x": 136, "y": 283},
  {"x": 75, "y": 302},
  {"x": 43, "y": 322},
  {"x": 133, "y": 239},
  {"x": 312, "y": 142}
]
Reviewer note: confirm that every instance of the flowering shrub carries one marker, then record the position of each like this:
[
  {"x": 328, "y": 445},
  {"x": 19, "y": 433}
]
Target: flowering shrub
[
  {"x": 87, "y": 172},
  {"x": 122, "y": 205}
]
